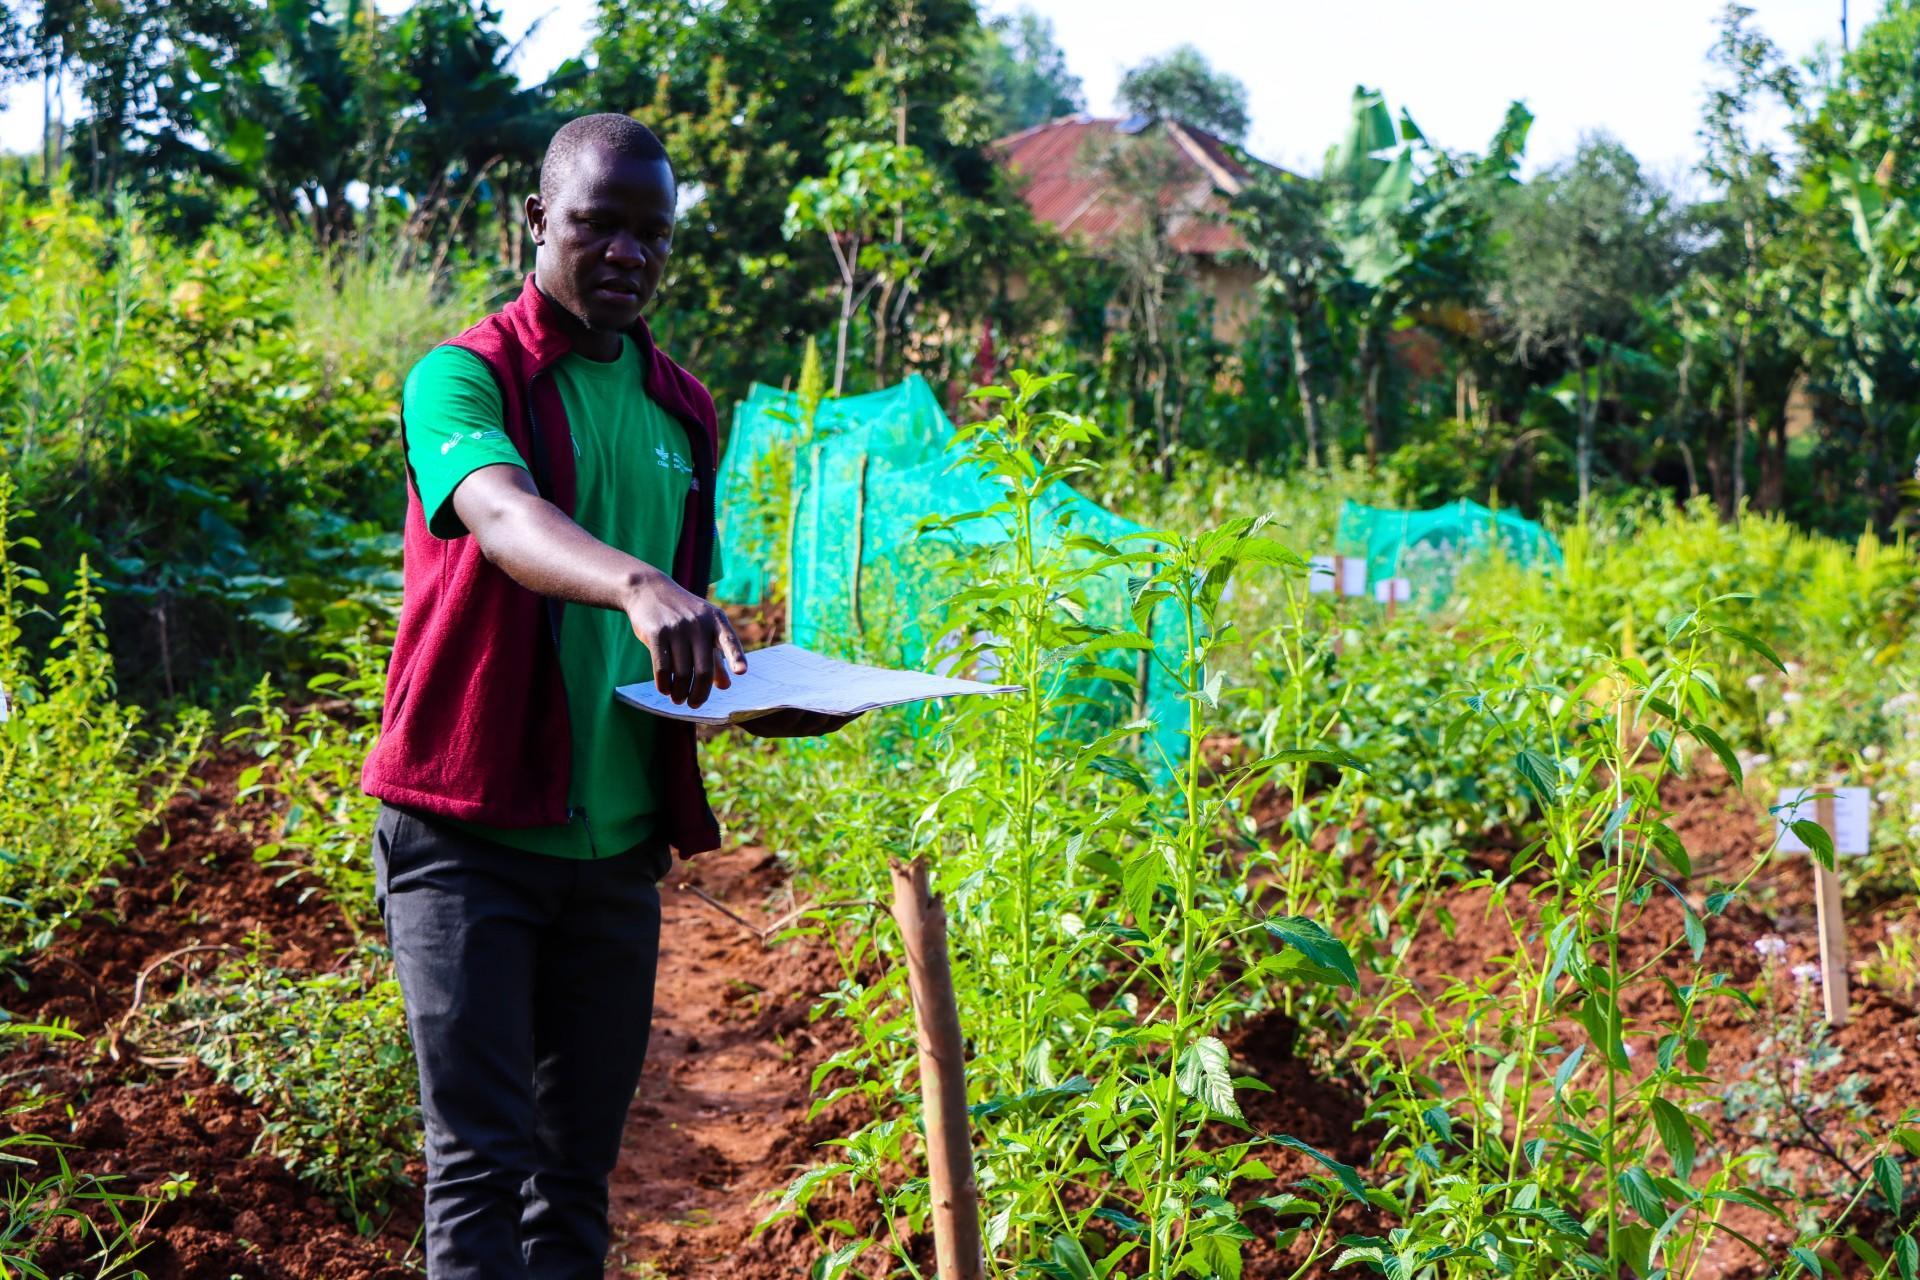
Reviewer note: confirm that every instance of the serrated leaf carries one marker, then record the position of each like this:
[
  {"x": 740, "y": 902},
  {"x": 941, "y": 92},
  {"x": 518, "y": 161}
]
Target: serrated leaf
[
  {"x": 1906, "y": 1256},
  {"x": 1886, "y": 1176},
  {"x": 1676, "y": 1135},
  {"x": 1637, "y": 1188},
  {"x": 1538, "y": 772},
  {"x": 1203, "y": 1074},
  {"x": 1316, "y": 944},
  {"x": 1809, "y": 1260}
]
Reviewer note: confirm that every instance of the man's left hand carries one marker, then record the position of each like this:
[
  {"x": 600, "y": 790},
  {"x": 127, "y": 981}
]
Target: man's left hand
[{"x": 792, "y": 722}]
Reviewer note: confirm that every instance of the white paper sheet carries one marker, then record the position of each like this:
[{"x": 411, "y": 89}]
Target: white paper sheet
[
  {"x": 1852, "y": 817},
  {"x": 785, "y": 675}
]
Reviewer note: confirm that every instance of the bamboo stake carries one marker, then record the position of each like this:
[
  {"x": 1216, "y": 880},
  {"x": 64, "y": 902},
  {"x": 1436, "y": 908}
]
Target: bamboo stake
[
  {"x": 1828, "y": 910},
  {"x": 943, "y": 1080}
]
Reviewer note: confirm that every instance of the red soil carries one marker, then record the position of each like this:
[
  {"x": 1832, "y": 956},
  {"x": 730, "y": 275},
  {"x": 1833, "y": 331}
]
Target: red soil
[{"x": 720, "y": 1124}]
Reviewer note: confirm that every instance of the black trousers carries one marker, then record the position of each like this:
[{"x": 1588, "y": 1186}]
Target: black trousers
[{"x": 528, "y": 983}]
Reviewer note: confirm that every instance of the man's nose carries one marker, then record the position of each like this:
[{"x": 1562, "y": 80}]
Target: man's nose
[{"x": 626, "y": 250}]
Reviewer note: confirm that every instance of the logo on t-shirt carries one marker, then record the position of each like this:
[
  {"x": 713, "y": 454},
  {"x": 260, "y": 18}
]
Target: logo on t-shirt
[
  {"x": 671, "y": 461},
  {"x": 458, "y": 436}
]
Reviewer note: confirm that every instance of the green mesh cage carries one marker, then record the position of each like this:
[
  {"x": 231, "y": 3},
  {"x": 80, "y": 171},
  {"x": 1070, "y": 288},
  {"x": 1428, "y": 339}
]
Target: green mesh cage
[
  {"x": 1428, "y": 547},
  {"x": 863, "y": 578}
]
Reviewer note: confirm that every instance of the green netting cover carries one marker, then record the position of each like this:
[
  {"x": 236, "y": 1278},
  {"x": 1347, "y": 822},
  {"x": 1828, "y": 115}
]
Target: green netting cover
[
  {"x": 1428, "y": 547},
  {"x": 863, "y": 578}
]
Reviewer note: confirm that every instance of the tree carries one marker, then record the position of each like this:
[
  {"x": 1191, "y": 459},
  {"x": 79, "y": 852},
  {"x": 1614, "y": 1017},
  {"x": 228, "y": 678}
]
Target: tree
[
  {"x": 1285, "y": 221},
  {"x": 1183, "y": 86},
  {"x": 743, "y": 96},
  {"x": 880, "y": 208},
  {"x": 1023, "y": 74},
  {"x": 1750, "y": 216},
  {"x": 1583, "y": 245}
]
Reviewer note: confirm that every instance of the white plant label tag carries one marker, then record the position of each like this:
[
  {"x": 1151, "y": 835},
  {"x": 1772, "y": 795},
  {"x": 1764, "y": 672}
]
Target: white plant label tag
[
  {"x": 1393, "y": 591},
  {"x": 1320, "y": 577},
  {"x": 1353, "y": 576}
]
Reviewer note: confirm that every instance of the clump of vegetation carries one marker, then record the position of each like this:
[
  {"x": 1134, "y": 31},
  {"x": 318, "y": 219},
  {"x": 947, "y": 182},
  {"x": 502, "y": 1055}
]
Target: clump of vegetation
[
  {"x": 79, "y": 778},
  {"x": 324, "y": 1055}
]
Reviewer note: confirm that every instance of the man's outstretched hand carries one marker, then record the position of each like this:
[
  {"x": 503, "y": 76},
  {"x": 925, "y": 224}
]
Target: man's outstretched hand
[
  {"x": 692, "y": 644},
  {"x": 792, "y": 722}
]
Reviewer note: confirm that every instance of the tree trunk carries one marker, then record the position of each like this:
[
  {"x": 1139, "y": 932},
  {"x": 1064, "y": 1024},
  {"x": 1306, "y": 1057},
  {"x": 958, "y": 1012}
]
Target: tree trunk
[
  {"x": 1739, "y": 465},
  {"x": 1370, "y": 364},
  {"x": 1303, "y": 378},
  {"x": 840, "y": 346},
  {"x": 1583, "y": 448}
]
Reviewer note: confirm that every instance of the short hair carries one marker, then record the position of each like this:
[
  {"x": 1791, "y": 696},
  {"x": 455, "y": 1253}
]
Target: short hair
[{"x": 622, "y": 135}]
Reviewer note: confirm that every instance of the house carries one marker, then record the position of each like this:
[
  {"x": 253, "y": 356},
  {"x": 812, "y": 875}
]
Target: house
[{"x": 1065, "y": 171}]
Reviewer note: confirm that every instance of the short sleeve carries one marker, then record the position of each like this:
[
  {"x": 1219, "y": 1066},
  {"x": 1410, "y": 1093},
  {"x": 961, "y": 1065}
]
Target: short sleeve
[{"x": 452, "y": 411}]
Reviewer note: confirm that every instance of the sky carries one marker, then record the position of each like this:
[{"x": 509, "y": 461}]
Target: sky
[{"x": 1632, "y": 68}]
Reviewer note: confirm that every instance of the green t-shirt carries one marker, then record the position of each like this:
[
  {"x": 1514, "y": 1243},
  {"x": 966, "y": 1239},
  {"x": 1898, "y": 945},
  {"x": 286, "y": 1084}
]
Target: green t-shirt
[{"x": 631, "y": 458}]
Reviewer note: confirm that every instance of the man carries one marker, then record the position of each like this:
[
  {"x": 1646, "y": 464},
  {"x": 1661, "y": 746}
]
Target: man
[{"x": 559, "y": 542}]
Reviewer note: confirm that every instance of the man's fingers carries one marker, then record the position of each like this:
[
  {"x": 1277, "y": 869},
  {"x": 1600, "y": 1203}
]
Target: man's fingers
[
  {"x": 657, "y": 653},
  {"x": 682, "y": 666},
  {"x": 702, "y": 681},
  {"x": 730, "y": 646}
]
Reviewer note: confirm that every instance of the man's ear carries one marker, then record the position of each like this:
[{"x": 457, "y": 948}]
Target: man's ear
[{"x": 536, "y": 218}]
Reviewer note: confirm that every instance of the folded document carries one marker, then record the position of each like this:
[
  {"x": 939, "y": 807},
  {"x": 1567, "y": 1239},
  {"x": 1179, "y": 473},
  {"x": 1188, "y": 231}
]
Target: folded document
[{"x": 785, "y": 675}]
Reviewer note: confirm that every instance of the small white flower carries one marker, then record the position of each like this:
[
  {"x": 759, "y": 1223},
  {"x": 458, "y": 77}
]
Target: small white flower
[
  {"x": 1799, "y": 769},
  {"x": 1912, "y": 769},
  {"x": 1790, "y": 697},
  {"x": 1913, "y": 832},
  {"x": 1805, "y": 974},
  {"x": 1873, "y": 751},
  {"x": 1775, "y": 719},
  {"x": 1756, "y": 683},
  {"x": 1793, "y": 670},
  {"x": 1771, "y": 947},
  {"x": 1762, "y": 760}
]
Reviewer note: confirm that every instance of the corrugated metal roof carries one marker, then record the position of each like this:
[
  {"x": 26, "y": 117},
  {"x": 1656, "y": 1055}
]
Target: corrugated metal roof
[{"x": 1056, "y": 169}]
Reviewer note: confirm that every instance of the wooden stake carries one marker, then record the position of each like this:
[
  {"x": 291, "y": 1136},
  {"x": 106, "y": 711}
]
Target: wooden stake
[
  {"x": 1833, "y": 927},
  {"x": 954, "y": 1196}
]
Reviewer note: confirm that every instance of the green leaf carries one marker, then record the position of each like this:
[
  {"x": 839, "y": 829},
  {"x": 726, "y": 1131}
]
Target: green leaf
[
  {"x": 1348, "y": 1176},
  {"x": 1676, "y": 1135},
  {"x": 1316, "y": 944},
  {"x": 1125, "y": 770},
  {"x": 1809, "y": 1260},
  {"x": 1312, "y": 755},
  {"x": 1815, "y": 837},
  {"x": 1906, "y": 1256},
  {"x": 1203, "y": 1075},
  {"x": 1886, "y": 1176},
  {"x": 1139, "y": 881},
  {"x": 1439, "y": 1121},
  {"x": 1718, "y": 745},
  {"x": 1754, "y": 643},
  {"x": 1538, "y": 772},
  {"x": 1071, "y": 1258},
  {"x": 1121, "y": 1220},
  {"x": 1636, "y": 1187},
  {"x": 1565, "y": 1071}
]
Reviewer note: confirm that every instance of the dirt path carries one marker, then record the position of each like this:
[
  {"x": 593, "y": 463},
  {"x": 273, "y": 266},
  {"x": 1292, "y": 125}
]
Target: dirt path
[{"x": 720, "y": 1121}]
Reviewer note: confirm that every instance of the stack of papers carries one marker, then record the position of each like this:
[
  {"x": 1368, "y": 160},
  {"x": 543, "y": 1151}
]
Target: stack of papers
[{"x": 786, "y": 676}]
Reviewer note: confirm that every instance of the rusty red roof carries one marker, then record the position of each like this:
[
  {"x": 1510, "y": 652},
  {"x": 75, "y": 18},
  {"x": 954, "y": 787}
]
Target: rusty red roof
[{"x": 1055, "y": 167}]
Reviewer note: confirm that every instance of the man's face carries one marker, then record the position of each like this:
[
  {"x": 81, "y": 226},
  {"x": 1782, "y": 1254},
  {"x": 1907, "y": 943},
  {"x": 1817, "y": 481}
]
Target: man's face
[{"x": 604, "y": 236}]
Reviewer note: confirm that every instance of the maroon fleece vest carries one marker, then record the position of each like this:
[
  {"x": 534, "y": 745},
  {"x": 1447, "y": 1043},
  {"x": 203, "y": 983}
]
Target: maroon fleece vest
[{"x": 475, "y": 725}]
